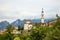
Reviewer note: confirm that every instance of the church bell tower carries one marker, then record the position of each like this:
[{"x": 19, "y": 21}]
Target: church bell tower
[{"x": 42, "y": 17}]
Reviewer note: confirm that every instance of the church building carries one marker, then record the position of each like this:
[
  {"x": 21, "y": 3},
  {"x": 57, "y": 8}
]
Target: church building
[
  {"x": 42, "y": 18},
  {"x": 28, "y": 25}
]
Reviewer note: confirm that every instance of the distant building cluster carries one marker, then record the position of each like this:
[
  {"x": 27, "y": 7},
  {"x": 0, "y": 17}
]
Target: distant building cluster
[
  {"x": 2, "y": 31},
  {"x": 28, "y": 25}
]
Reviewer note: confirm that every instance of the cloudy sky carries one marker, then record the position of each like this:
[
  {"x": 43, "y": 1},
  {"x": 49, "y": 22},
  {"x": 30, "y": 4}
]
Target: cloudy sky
[{"x": 11, "y": 10}]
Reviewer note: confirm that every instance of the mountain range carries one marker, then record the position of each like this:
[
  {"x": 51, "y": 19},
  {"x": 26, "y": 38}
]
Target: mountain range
[{"x": 3, "y": 24}]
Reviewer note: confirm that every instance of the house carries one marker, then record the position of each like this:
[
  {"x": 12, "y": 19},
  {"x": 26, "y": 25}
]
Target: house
[
  {"x": 2, "y": 31},
  {"x": 15, "y": 31},
  {"x": 28, "y": 25}
]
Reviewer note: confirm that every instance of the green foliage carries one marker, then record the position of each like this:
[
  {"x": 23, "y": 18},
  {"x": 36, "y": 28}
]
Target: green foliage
[
  {"x": 16, "y": 38},
  {"x": 39, "y": 33},
  {"x": 20, "y": 28},
  {"x": 8, "y": 33},
  {"x": 9, "y": 28},
  {"x": 1, "y": 37},
  {"x": 55, "y": 33},
  {"x": 37, "y": 25}
]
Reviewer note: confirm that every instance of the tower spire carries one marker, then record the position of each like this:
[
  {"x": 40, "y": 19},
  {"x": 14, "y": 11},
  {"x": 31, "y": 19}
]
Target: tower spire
[{"x": 42, "y": 10}]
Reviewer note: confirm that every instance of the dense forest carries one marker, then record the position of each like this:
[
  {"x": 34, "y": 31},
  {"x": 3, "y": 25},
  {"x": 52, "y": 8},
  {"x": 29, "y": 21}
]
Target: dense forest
[{"x": 38, "y": 33}]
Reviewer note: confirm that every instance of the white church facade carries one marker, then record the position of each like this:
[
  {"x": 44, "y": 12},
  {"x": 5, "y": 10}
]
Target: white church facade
[{"x": 28, "y": 25}]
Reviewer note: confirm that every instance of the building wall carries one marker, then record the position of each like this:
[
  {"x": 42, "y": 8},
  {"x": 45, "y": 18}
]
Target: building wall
[
  {"x": 42, "y": 20},
  {"x": 27, "y": 26},
  {"x": 50, "y": 23}
]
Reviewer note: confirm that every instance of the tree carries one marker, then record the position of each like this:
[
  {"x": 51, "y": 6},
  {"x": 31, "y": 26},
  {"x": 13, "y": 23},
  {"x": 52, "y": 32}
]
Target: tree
[
  {"x": 38, "y": 33},
  {"x": 9, "y": 28},
  {"x": 9, "y": 32},
  {"x": 55, "y": 33},
  {"x": 19, "y": 28}
]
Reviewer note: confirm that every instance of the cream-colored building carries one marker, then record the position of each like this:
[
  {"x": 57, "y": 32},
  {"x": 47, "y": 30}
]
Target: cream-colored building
[
  {"x": 15, "y": 31},
  {"x": 28, "y": 25}
]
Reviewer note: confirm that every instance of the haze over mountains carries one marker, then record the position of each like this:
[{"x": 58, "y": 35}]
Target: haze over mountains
[{"x": 3, "y": 24}]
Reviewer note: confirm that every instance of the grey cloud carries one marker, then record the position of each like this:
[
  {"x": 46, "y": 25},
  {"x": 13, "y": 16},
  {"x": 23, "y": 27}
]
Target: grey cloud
[{"x": 10, "y": 9}]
